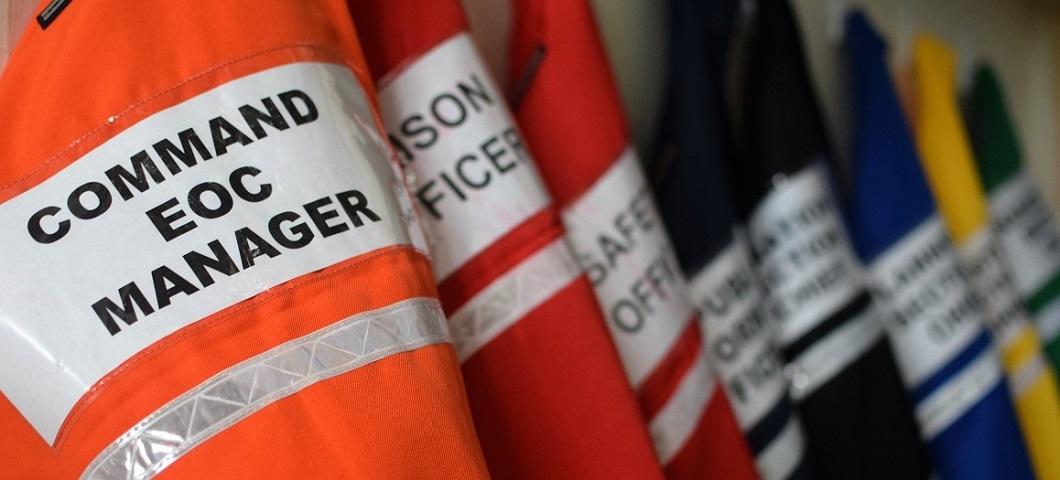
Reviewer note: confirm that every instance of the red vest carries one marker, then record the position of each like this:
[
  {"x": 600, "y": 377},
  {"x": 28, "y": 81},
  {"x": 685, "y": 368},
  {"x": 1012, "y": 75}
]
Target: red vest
[
  {"x": 544, "y": 382},
  {"x": 568, "y": 106}
]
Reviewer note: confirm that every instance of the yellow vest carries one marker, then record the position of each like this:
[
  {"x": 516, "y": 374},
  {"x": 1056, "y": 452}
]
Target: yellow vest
[{"x": 947, "y": 160}]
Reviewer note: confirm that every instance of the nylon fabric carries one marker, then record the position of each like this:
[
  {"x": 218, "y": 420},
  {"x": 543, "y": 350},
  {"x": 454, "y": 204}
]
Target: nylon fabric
[
  {"x": 241, "y": 390},
  {"x": 893, "y": 224},
  {"x": 947, "y": 160},
  {"x": 544, "y": 383},
  {"x": 573, "y": 120},
  {"x": 855, "y": 427},
  {"x": 368, "y": 422}
]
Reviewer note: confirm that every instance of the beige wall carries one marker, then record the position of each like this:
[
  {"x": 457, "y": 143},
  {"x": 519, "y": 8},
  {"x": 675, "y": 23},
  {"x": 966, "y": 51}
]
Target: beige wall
[
  {"x": 1019, "y": 37},
  {"x": 5, "y": 43},
  {"x": 635, "y": 34},
  {"x": 14, "y": 14}
]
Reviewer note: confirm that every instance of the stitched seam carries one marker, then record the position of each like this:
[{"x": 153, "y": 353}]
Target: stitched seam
[{"x": 114, "y": 118}]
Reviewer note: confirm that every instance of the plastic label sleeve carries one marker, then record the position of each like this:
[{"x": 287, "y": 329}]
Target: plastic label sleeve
[
  {"x": 474, "y": 179},
  {"x": 198, "y": 207}
]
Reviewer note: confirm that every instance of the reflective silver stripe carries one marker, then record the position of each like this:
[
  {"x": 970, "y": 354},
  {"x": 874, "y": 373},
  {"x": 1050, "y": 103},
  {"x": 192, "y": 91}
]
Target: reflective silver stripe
[
  {"x": 784, "y": 454},
  {"x": 677, "y": 421},
  {"x": 511, "y": 296},
  {"x": 952, "y": 399},
  {"x": 239, "y": 391},
  {"x": 830, "y": 355}
]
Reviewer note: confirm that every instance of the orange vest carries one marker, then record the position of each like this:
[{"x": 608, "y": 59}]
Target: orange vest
[
  {"x": 544, "y": 382},
  {"x": 215, "y": 277},
  {"x": 568, "y": 105}
]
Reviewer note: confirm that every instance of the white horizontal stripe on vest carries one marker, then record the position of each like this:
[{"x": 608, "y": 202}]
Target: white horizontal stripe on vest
[
  {"x": 784, "y": 454},
  {"x": 1048, "y": 321},
  {"x": 239, "y": 391},
  {"x": 640, "y": 288},
  {"x": 951, "y": 400},
  {"x": 512, "y": 296},
  {"x": 830, "y": 355},
  {"x": 1027, "y": 374},
  {"x": 678, "y": 419}
]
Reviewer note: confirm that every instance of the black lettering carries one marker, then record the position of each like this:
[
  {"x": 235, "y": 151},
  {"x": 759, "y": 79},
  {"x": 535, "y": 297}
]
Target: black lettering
[
  {"x": 625, "y": 227},
  {"x": 164, "y": 223},
  {"x": 596, "y": 271},
  {"x": 320, "y": 219},
  {"x": 659, "y": 274},
  {"x": 496, "y": 154},
  {"x": 478, "y": 90},
  {"x": 299, "y": 117},
  {"x": 456, "y": 117},
  {"x": 245, "y": 237},
  {"x": 220, "y": 262},
  {"x": 236, "y": 180},
  {"x": 414, "y": 126},
  {"x": 725, "y": 348},
  {"x": 305, "y": 234},
  {"x": 190, "y": 144},
  {"x": 627, "y": 316},
  {"x": 641, "y": 209},
  {"x": 460, "y": 163},
  {"x": 129, "y": 294},
  {"x": 511, "y": 136},
  {"x": 165, "y": 293},
  {"x": 36, "y": 230},
  {"x": 737, "y": 390},
  {"x": 77, "y": 206},
  {"x": 448, "y": 181},
  {"x": 200, "y": 208},
  {"x": 142, "y": 166},
  {"x": 225, "y": 134},
  {"x": 355, "y": 209},
  {"x": 429, "y": 202},
  {"x": 255, "y": 118},
  {"x": 612, "y": 249},
  {"x": 643, "y": 296}
]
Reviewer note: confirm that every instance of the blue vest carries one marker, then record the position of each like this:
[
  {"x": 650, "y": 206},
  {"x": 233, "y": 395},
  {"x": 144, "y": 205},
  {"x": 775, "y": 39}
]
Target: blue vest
[{"x": 889, "y": 206}]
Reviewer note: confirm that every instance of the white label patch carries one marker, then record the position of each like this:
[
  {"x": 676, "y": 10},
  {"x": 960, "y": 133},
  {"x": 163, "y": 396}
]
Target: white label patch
[
  {"x": 741, "y": 336},
  {"x": 805, "y": 257},
  {"x": 618, "y": 237},
  {"x": 474, "y": 179},
  {"x": 1026, "y": 234},
  {"x": 987, "y": 273},
  {"x": 241, "y": 188},
  {"x": 930, "y": 312}
]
